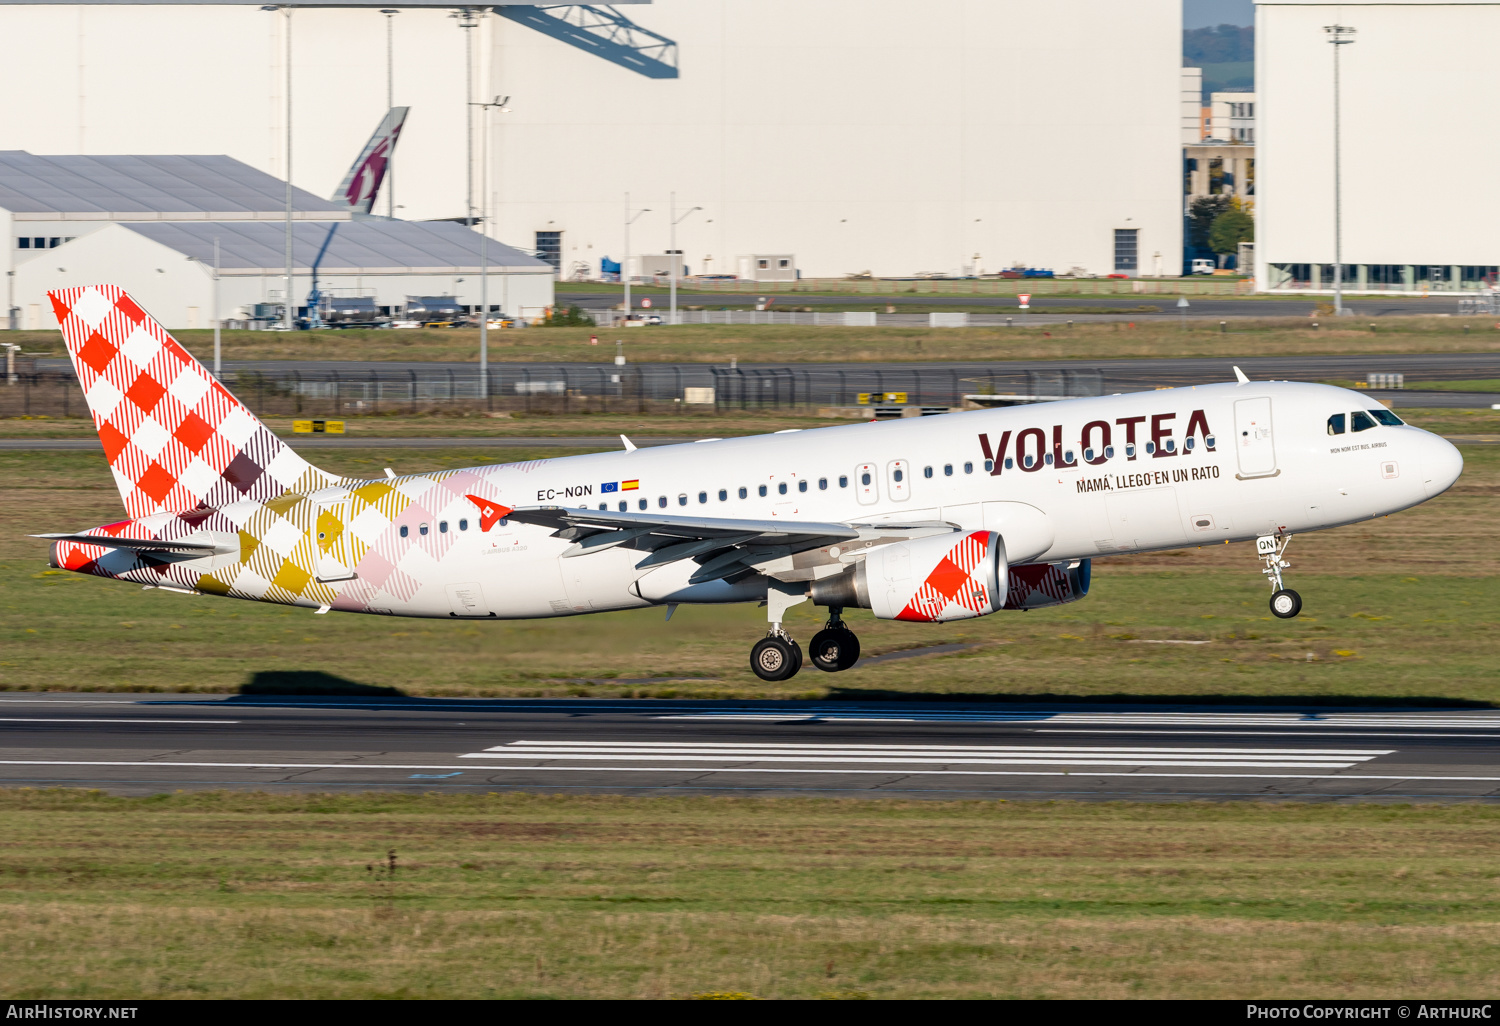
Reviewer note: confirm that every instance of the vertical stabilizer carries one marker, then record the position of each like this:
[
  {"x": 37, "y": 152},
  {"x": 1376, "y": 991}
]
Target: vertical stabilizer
[
  {"x": 362, "y": 183},
  {"x": 174, "y": 437}
]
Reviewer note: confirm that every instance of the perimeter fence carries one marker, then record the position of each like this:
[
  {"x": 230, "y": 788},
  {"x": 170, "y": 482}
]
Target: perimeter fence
[{"x": 583, "y": 388}]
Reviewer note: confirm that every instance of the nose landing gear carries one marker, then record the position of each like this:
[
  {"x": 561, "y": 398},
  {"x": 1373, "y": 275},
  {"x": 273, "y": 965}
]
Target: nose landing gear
[{"x": 1285, "y": 603}]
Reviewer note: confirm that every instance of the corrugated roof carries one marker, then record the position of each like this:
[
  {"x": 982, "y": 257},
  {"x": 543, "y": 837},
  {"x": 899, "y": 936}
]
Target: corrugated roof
[
  {"x": 75, "y": 184},
  {"x": 370, "y": 245}
]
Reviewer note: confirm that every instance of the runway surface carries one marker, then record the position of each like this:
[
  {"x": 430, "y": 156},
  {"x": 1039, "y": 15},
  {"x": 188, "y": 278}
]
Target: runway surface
[{"x": 135, "y": 744}]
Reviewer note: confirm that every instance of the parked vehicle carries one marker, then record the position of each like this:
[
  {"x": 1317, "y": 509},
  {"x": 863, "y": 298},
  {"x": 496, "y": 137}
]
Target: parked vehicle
[
  {"x": 436, "y": 311},
  {"x": 353, "y": 312},
  {"x": 1203, "y": 266}
]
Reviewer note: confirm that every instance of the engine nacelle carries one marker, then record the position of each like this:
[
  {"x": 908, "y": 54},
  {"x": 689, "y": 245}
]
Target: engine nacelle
[
  {"x": 929, "y": 580},
  {"x": 1046, "y": 584}
]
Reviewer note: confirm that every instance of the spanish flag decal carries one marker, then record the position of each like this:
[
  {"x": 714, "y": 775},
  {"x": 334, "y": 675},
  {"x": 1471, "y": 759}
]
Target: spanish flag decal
[{"x": 630, "y": 486}]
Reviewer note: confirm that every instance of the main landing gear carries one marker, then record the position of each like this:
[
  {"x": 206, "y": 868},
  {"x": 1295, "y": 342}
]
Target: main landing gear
[
  {"x": 778, "y": 657},
  {"x": 1285, "y": 603},
  {"x": 835, "y": 647}
]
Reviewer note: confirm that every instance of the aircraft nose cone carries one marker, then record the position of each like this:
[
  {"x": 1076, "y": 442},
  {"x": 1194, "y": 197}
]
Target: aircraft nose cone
[{"x": 1441, "y": 465}]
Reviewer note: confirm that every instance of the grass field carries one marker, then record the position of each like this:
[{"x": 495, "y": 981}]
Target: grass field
[
  {"x": 255, "y": 896},
  {"x": 1397, "y": 610},
  {"x": 1270, "y": 336}
]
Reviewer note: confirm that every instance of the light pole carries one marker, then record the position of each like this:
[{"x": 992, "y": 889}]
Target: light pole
[
  {"x": 1339, "y": 36},
  {"x": 672, "y": 250},
  {"x": 625, "y": 264},
  {"x": 390, "y": 101},
  {"x": 286, "y": 306},
  {"x": 465, "y": 16},
  {"x": 484, "y": 255},
  {"x": 218, "y": 375}
]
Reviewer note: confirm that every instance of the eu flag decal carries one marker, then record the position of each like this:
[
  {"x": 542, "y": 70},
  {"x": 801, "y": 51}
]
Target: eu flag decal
[{"x": 609, "y": 486}]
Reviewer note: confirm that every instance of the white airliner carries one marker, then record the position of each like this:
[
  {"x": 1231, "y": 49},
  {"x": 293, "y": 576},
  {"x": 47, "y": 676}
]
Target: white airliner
[{"x": 931, "y": 519}]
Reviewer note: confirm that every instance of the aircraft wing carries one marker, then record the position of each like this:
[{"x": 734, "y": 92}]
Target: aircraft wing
[{"x": 788, "y": 550}]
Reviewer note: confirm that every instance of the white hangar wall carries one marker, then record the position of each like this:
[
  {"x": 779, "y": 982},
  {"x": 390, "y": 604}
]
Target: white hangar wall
[
  {"x": 857, "y": 134},
  {"x": 1415, "y": 84},
  {"x": 209, "y": 79}
]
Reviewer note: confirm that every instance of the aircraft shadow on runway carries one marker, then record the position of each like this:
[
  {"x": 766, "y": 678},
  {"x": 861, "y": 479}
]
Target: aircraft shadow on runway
[{"x": 311, "y": 682}]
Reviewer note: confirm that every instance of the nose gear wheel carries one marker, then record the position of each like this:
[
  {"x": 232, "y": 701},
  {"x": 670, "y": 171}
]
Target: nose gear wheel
[{"x": 1285, "y": 603}]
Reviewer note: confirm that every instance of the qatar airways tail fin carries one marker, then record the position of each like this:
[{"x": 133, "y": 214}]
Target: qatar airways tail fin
[
  {"x": 174, "y": 437},
  {"x": 362, "y": 183}
]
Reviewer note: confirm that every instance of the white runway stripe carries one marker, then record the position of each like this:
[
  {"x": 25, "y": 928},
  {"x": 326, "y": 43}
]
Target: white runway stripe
[
  {"x": 930, "y": 755},
  {"x": 1354, "y": 777},
  {"x": 809, "y": 747},
  {"x": 1488, "y": 720},
  {"x": 1255, "y": 733}
]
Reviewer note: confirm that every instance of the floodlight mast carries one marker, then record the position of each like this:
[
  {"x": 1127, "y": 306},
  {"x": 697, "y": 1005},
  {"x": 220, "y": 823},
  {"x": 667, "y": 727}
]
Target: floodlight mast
[
  {"x": 1339, "y": 36},
  {"x": 625, "y": 264},
  {"x": 390, "y": 101},
  {"x": 484, "y": 251},
  {"x": 672, "y": 251},
  {"x": 286, "y": 305}
]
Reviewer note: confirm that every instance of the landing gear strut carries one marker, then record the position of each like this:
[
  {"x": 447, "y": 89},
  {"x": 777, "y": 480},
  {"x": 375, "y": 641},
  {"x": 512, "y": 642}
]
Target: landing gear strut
[
  {"x": 835, "y": 647},
  {"x": 777, "y": 656},
  {"x": 1285, "y": 603}
]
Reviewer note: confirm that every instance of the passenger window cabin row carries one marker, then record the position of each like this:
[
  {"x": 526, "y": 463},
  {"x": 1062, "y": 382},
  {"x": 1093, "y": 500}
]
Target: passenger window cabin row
[{"x": 782, "y": 487}]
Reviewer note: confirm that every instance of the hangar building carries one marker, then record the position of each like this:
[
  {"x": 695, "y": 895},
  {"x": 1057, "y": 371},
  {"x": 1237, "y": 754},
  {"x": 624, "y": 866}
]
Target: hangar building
[
  {"x": 853, "y": 135},
  {"x": 149, "y": 223},
  {"x": 1413, "y": 84}
]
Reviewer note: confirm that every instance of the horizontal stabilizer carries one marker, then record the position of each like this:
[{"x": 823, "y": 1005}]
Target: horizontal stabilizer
[{"x": 137, "y": 544}]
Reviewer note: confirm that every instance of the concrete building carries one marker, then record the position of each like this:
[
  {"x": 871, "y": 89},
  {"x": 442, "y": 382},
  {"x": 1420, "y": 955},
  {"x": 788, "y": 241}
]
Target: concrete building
[
  {"x": 1414, "y": 84},
  {"x": 858, "y": 134},
  {"x": 1216, "y": 168},
  {"x": 1231, "y": 118},
  {"x": 861, "y": 135},
  {"x": 149, "y": 223},
  {"x": 1192, "y": 106}
]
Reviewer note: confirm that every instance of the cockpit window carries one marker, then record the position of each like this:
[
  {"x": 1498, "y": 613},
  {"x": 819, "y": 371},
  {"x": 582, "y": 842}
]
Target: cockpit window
[
  {"x": 1387, "y": 418},
  {"x": 1336, "y": 424},
  {"x": 1359, "y": 422}
]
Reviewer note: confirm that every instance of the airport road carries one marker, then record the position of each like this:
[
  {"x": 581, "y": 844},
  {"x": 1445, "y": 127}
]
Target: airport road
[{"x": 131, "y": 744}]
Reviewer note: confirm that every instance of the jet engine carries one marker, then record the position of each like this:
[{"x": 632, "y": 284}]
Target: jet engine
[
  {"x": 936, "y": 579},
  {"x": 930, "y": 580},
  {"x": 1036, "y": 585}
]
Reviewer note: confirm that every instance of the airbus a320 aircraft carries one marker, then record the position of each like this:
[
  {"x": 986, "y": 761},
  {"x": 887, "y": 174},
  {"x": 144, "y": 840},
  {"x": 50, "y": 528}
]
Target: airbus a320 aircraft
[{"x": 928, "y": 520}]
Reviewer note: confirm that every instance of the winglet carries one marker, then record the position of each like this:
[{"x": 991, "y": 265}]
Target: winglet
[
  {"x": 1239, "y": 376},
  {"x": 629, "y": 445}
]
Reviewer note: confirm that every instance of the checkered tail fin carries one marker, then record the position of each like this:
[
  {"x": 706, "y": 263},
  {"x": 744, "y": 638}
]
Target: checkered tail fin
[{"x": 174, "y": 437}]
